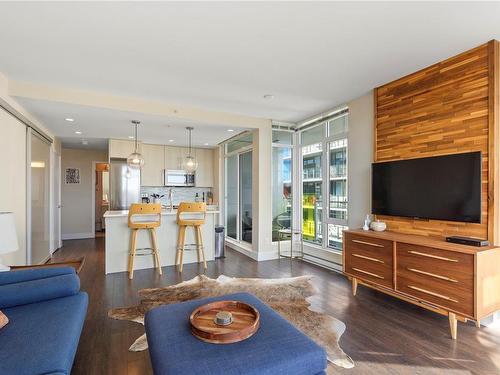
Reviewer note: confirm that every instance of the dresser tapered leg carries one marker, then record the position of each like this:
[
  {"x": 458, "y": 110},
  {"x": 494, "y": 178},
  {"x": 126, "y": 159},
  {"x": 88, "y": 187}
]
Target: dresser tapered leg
[
  {"x": 453, "y": 325},
  {"x": 354, "y": 286},
  {"x": 478, "y": 323}
]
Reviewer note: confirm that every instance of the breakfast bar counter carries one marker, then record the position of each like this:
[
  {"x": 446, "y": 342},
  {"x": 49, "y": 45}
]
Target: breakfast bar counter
[{"x": 118, "y": 241}]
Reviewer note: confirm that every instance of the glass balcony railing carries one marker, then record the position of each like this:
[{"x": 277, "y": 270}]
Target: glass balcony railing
[
  {"x": 311, "y": 173},
  {"x": 338, "y": 171},
  {"x": 339, "y": 202}
]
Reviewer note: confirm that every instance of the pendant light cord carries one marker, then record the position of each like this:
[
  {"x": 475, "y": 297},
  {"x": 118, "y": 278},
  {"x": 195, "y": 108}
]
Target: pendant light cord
[
  {"x": 136, "y": 137},
  {"x": 136, "y": 123},
  {"x": 189, "y": 129},
  {"x": 190, "y": 142}
]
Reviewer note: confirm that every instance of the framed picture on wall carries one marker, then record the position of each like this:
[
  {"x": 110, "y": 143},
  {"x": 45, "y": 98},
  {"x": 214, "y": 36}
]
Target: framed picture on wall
[{"x": 72, "y": 176}]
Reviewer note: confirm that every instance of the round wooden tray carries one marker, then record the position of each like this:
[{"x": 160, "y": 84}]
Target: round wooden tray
[{"x": 245, "y": 322}]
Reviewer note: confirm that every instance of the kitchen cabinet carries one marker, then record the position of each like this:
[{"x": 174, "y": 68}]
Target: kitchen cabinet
[
  {"x": 154, "y": 165},
  {"x": 119, "y": 148},
  {"x": 205, "y": 172},
  {"x": 174, "y": 157}
]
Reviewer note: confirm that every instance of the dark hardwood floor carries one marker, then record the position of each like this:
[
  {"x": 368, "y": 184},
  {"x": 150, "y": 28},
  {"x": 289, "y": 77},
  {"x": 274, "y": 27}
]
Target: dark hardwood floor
[{"x": 383, "y": 336}]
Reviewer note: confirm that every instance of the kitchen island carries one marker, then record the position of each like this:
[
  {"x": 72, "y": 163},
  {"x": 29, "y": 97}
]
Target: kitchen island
[{"x": 118, "y": 241}]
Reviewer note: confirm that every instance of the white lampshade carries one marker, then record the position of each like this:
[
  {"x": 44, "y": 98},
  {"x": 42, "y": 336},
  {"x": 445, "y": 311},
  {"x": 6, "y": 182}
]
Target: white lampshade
[{"x": 8, "y": 235}]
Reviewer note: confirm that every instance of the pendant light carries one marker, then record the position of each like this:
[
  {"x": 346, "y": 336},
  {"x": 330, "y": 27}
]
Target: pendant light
[
  {"x": 190, "y": 163},
  {"x": 135, "y": 159}
]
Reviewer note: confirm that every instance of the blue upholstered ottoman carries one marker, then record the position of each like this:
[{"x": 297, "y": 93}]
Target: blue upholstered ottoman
[{"x": 277, "y": 348}]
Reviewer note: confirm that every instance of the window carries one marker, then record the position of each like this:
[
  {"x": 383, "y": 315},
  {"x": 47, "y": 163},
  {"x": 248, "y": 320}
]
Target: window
[
  {"x": 282, "y": 137},
  {"x": 324, "y": 175},
  {"x": 241, "y": 142},
  {"x": 335, "y": 236},
  {"x": 312, "y": 187},
  {"x": 238, "y": 188},
  {"x": 338, "y": 179},
  {"x": 281, "y": 181}
]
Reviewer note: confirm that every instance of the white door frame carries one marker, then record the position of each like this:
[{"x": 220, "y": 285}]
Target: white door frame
[
  {"x": 52, "y": 200},
  {"x": 93, "y": 193},
  {"x": 55, "y": 201},
  {"x": 59, "y": 203}
]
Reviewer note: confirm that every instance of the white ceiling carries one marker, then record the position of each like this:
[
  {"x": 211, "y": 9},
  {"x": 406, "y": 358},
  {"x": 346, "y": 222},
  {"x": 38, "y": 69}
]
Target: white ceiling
[
  {"x": 311, "y": 56},
  {"x": 97, "y": 124}
]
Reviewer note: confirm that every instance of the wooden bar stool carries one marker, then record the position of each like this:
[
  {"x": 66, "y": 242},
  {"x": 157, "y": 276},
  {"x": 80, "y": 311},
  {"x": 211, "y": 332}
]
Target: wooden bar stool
[
  {"x": 144, "y": 216},
  {"x": 190, "y": 215}
]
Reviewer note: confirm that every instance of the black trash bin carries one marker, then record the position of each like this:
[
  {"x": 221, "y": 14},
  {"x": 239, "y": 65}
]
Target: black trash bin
[{"x": 219, "y": 242}]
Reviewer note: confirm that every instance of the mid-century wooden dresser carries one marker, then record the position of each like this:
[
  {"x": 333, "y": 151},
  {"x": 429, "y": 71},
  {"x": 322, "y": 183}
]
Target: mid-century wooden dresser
[{"x": 462, "y": 282}]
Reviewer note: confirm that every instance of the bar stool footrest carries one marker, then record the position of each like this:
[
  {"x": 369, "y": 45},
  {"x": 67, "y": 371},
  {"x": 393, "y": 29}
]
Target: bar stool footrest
[
  {"x": 191, "y": 247},
  {"x": 144, "y": 251}
]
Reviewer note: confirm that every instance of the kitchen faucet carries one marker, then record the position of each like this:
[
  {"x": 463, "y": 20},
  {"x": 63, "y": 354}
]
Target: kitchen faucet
[{"x": 171, "y": 198}]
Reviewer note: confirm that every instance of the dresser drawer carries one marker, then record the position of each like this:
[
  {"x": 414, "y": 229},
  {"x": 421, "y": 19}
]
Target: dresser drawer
[
  {"x": 358, "y": 242},
  {"x": 441, "y": 277},
  {"x": 369, "y": 259}
]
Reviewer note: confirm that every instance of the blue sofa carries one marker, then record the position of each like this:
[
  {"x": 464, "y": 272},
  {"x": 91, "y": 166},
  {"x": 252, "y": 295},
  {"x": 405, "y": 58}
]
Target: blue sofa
[{"x": 46, "y": 311}]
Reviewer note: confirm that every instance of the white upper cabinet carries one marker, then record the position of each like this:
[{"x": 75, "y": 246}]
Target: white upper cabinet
[
  {"x": 174, "y": 157},
  {"x": 154, "y": 164},
  {"x": 119, "y": 148},
  {"x": 157, "y": 158},
  {"x": 205, "y": 171}
]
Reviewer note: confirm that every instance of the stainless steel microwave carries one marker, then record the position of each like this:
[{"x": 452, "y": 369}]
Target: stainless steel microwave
[{"x": 173, "y": 177}]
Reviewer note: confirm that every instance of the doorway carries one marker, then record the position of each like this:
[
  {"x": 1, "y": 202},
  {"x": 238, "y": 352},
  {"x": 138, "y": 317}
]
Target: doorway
[{"x": 101, "y": 197}]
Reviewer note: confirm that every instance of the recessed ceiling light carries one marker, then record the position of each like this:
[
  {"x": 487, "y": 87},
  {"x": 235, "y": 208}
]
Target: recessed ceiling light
[
  {"x": 130, "y": 137},
  {"x": 206, "y": 144},
  {"x": 70, "y": 119},
  {"x": 85, "y": 142},
  {"x": 78, "y": 132},
  {"x": 269, "y": 96},
  {"x": 170, "y": 140},
  {"x": 230, "y": 130}
]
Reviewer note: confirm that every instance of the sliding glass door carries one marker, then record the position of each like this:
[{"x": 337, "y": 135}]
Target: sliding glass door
[
  {"x": 245, "y": 174},
  {"x": 232, "y": 196},
  {"x": 238, "y": 188}
]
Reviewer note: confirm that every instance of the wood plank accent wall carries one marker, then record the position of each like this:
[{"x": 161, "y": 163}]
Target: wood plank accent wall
[{"x": 449, "y": 107}]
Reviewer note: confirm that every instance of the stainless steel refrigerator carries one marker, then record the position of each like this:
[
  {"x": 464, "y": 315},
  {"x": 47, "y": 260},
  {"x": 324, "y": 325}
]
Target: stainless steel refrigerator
[{"x": 124, "y": 185}]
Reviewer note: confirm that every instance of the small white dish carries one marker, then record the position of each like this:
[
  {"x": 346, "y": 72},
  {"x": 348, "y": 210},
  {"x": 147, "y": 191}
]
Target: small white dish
[{"x": 378, "y": 226}]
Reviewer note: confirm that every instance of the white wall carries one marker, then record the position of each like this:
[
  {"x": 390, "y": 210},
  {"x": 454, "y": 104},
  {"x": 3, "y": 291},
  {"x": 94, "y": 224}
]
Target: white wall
[
  {"x": 13, "y": 180},
  {"x": 262, "y": 193},
  {"x": 77, "y": 204},
  {"x": 360, "y": 157}
]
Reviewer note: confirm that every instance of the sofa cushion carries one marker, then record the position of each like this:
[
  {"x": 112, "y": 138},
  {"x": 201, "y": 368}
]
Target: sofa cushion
[
  {"x": 32, "y": 291},
  {"x": 277, "y": 348},
  {"x": 12, "y": 277},
  {"x": 42, "y": 338}
]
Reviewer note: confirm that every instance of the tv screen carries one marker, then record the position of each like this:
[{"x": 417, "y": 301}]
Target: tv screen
[{"x": 442, "y": 188}]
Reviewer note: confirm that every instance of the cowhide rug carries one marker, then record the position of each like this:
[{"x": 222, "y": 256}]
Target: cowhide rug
[{"x": 285, "y": 296}]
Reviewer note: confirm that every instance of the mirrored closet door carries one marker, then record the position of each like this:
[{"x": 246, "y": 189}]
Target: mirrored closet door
[{"x": 38, "y": 177}]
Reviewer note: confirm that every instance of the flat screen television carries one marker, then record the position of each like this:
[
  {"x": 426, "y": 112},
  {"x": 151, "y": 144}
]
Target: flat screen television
[{"x": 442, "y": 188}]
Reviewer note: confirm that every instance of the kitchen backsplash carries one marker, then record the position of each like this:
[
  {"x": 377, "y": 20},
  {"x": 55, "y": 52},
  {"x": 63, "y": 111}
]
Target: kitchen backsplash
[{"x": 180, "y": 194}]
